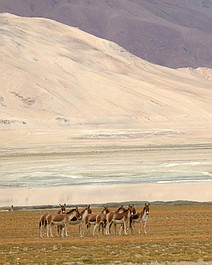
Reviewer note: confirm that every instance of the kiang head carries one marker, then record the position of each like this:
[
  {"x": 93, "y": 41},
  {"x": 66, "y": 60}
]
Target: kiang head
[
  {"x": 146, "y": 208},
  {"x": 63, "y": 208}
]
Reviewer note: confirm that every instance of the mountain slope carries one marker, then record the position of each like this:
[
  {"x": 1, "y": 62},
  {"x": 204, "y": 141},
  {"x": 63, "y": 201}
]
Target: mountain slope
[
  {"x": 174, "y": 34},
  {"x": 56, "y": 75}
]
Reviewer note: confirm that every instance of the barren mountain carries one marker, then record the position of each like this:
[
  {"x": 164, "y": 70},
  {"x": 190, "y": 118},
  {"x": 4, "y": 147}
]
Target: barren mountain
[
  {"x": 169, "y": 33},
  {"x": 53, "y": 74},
  {"x": 77, "y": 111}
]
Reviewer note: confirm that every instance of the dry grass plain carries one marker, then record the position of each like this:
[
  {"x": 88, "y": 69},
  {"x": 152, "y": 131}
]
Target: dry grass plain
[{"x": 175, "y": 233}]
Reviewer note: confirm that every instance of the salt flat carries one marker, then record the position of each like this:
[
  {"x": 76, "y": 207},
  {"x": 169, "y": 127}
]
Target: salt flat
[{"x": 105, "y": 172}]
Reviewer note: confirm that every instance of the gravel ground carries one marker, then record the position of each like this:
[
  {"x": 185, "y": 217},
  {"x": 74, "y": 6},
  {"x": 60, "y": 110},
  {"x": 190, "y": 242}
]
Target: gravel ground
[{"x": 145, "y": 263}]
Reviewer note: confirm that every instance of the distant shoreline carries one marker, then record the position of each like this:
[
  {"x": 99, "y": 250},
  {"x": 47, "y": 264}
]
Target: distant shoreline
[
  {"x": 107, "y": 194},
  {"x": 111, "y": 204}
]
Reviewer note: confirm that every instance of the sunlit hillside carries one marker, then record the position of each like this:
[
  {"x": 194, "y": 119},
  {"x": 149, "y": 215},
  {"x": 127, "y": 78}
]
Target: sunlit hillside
[{"x": 52, "y": 74}]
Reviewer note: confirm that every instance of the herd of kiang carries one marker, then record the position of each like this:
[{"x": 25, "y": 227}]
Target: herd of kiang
[{"x": 102, "y": 222}]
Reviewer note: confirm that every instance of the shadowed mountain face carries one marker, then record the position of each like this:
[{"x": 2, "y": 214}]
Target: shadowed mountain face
[{"x": 169, "y": 33}]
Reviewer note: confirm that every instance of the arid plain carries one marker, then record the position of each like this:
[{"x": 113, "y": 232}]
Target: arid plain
[{"x": 177, "y": 234}]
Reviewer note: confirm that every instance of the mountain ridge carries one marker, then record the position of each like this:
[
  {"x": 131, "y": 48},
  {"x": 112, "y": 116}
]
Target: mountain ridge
[{"x": 175, "y": 35}]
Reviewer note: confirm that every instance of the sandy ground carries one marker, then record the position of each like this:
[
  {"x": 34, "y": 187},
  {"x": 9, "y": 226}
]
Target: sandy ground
[{"x": 200, "y": 262}]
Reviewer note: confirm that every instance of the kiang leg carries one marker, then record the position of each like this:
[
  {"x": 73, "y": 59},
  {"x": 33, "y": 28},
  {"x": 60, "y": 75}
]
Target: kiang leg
[
  {"x": 66, "y": 229},
  {"x": 121, "y": 229},
  {"x": 114, "y": 228},
  {"x": 95, "y": 227},
  {"x": 140, "y": 224},
  {"x": 132, "y": 227},
  {"x": 108, "y": 228},
  {"x": 145, "y": 228},
  {"x": 125, "y": 228}
]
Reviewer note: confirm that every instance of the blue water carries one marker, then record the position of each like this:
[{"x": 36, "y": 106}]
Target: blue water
[
  {"x": 102, "y": 169},
  {"x": 50, "y": 179}
]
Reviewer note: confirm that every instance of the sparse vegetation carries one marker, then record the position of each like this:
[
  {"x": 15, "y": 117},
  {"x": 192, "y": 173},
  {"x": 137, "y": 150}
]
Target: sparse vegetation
[
  {"x": 175, "y": 233},
  {"x": 26, "y": 100},
  {"x": 62, "y": 119},
  {"x": 8, "y": 122}
]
